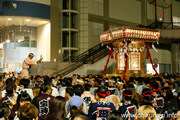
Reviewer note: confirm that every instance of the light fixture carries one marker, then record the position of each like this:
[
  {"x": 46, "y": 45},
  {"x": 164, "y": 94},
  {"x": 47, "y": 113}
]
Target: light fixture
[
  {"x": 9, "y": 19},
  {"x": 7, "y": 41},
  {"x": 28, "y": 20},
  {"x": 44, "y": 21}
]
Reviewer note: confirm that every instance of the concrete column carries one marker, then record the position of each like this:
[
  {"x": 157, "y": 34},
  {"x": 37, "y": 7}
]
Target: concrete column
[
  {"x": 174, "y": 55},
  {"x": 143, "y": 12},
  {"x": 55, "y": 37},
  {"x": 106, "y": 14}
]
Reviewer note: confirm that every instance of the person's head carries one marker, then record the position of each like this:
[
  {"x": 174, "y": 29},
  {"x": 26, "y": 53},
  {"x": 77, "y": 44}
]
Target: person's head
[
  {"x": 68, "y": 82},
  {"x": 27, "y": 112},
  {"x": 46, "y": 89},
  {"x": 31, "y": 55},
  {"x": 47, "y": 80},
  {"x": 38, "y": 78},
  {"x": 76, "y": 104},
  {"x": 127, "y": 95},
  {"x": 120, "y": 84},
  {"x": 57, "y": 109},
  {"x": 11, "y": 88},
  {"x": 79, "y": 116},
  {"x": 78, "y": 90},
  {"x": 69, "y": 92},
  {"x": 23, "y": 98},
  {"x": 154, "y": 86},
  {"x": 146, "y": 93},
  {"x": 158, "y": 80},
  {"x": 97, "y": 82},
  {"x": 80, "y": 82},
  {"x": 146, "y": 112},
  {"x": 140, "y": 80},
  {"x": 36, "y": 91},
  {"x": 25, "y": 83},
  {"x": 147, "y": 80},
  {"x": 166, "y": 83},
  {"x": 172, "y": 86},
  {"x": 9, "y": 80},
  {"x": 86, "y": 81},
  {"x": 112, "y": 82},
  {"x": 115, "y": 115},
  {"x": 167, "y": 93},
  {"x": 102, "y": 92},
  {"x": 4, "y": 111},
  {"x": 87, "y": 87}
]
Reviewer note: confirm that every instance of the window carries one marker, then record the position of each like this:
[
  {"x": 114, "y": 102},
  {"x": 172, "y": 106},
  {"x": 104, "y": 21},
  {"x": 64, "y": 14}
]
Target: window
[
  {"x": 65, "y": 53},
  {"x": 74, "y": 4},
  {"x": 33, "y": 37},
  {"x": 65, "y": 20},
  {"x": 74, "y": 38},
  {"x": 65, "y": 4},
  {"x": 65, "y": 39},
  {"x": 74, "y": 20}
]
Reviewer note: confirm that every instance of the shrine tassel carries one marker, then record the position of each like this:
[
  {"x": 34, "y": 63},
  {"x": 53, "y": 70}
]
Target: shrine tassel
[
  {"x": 148, "y": 56},
  {"x": 110, "y": 55},
  {"x": 125, "y": 67}
]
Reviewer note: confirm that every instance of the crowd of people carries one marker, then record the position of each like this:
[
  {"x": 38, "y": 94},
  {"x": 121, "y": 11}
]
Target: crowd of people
[{"x": 89, "y": 98}]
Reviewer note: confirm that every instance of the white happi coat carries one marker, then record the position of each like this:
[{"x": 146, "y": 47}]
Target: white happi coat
[{"x": 26, "y": 65}]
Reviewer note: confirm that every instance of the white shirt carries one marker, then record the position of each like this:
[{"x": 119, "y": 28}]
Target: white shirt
[{"x": 54, "y": 92}]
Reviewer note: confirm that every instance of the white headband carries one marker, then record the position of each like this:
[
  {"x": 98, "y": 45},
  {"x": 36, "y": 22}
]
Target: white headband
[
  {"x": 121, "y": 83},
  {"x": 80, "y": 81}
]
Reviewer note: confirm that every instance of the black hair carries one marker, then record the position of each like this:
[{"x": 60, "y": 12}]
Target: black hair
[
  {"x": 155, "y": 85},
  {"x": 70, "y": 90},
  {"x": 24, "y": 96},
  {"x": 140, "y": 79},
  {"x": 147, "y": 80},
  {"x": 10, "y": 88},
  {"x": 159, "y": 79},
  {"x": 130, "y": 85},
  {"x": 4, "y": 110},
  {"x": 47, "y": 80},
  {"x": 24, "y": 82},
  {"x": 9, "y": 80},
  {"x": 169, "y": 94},
  {"x": 37, "y": 76},
  {"x": 45, "y": 88},
  {"x": 115, "y": 115},
  {"x": 131, "y": 79},
  {"x": 145, "y": 93},
  {"x": 97, "y": 82},
  {"x": 68, "y": 81},
  {"x": 128, "y": 95},
  {"x": 87, "y": 87},
  {"x": 78, "y": 90}
]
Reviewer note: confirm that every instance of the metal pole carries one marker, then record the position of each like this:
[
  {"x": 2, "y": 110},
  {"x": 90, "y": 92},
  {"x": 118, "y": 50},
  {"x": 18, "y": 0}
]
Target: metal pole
[
  {"x": 171, "y": 15},
  {"x": 155, "y": 13}
]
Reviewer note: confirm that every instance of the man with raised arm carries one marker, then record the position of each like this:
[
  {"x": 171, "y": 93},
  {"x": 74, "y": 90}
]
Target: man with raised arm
[{"x": 28, "y": 62}]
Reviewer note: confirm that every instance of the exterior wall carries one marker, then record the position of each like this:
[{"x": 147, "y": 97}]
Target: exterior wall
[
  {"x": 43, "y": 41},
  {"x": 163, "y": 56},
  {"x": 127, "y": 10},
  {"x": 95, "y": 29},
  {"x": 96, "y": 7},
  {"x": 83, "y": 26}
]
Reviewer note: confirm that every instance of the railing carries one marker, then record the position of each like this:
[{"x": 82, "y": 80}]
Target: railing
[
  {"x": 90, "y": 56},
  {"x": 162, "y": 25}
]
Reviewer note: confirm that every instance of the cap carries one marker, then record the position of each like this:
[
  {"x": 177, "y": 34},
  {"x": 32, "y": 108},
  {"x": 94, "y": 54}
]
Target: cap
[
  {"x": 31, "y": 54},
  {"x": 76, "y": 101}
]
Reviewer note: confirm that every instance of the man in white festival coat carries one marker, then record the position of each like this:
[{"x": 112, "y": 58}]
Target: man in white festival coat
[{"x": 28, "y": 62}]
